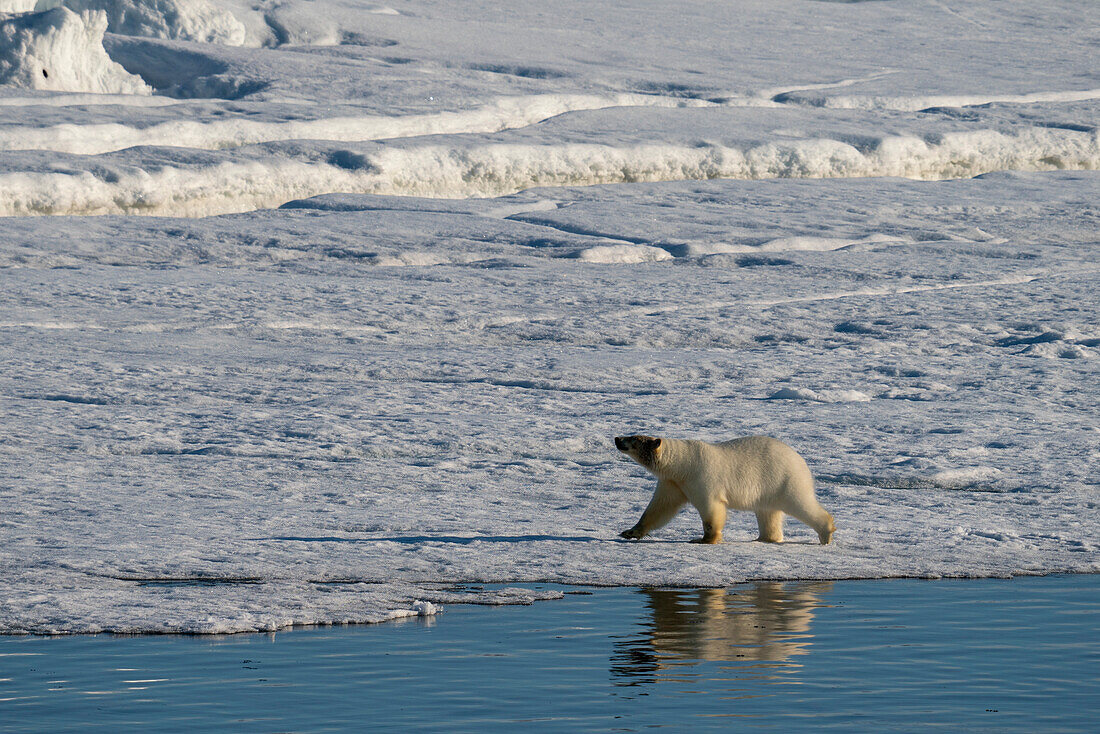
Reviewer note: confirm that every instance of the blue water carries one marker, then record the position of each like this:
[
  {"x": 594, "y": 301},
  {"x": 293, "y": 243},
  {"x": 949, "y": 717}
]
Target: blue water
[{"x": 899, "y": 655}]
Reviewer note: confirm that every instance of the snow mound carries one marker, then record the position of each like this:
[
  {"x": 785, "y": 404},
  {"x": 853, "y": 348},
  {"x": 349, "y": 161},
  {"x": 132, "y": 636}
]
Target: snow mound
[
  {"x": 923, "y": 102},
  {"x": 63, "y": 51},
  {"x": 823, "y": 244},
  {"x": 820, "y": 396},
  {"x": 623, "y": 254},
  {"x": 176, "y": 20},
  {"x": 17, "y": 6},
  {"x": 1056, "y": 351},
  {"x": 783, "y": 244},
  {"x": 297, "y": 25}
]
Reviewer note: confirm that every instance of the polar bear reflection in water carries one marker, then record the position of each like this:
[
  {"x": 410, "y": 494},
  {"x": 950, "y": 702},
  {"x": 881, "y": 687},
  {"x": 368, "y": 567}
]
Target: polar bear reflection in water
[{"x": 759, "y": 628}]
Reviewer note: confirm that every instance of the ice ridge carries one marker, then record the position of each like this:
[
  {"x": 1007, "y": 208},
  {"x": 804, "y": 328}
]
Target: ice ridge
[{"x": 221, "y": 186}]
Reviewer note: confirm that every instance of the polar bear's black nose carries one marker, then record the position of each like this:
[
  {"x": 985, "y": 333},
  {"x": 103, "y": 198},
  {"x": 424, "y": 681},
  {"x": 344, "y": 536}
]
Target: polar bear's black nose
[{"x": 620, "y": 444}]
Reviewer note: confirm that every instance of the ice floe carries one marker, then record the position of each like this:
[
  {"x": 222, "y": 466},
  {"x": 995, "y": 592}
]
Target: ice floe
[{"x": 458, "y": 247}]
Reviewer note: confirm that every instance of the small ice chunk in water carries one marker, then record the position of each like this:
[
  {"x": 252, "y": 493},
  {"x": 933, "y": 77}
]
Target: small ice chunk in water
[{"x": 426, "y": 608}]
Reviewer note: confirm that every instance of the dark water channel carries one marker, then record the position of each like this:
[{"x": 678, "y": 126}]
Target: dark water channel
[{"x": 900, "y": 655}]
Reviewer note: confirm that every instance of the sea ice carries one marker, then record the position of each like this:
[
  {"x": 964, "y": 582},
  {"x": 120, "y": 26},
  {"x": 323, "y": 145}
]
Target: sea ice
[{"x": 376, "y": 286}]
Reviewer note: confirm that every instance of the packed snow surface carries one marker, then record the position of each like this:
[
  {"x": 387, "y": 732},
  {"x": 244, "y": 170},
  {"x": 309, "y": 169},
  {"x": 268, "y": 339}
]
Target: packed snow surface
[{"x": 459, "y": 247}]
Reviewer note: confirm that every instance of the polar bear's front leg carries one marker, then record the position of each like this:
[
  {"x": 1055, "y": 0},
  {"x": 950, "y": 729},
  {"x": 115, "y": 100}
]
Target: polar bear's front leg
[
  {"x": 714, "y": 520},
  {"x": 666, "y": 502}
]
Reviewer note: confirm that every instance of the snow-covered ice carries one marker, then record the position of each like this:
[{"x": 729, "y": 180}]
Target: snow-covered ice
[{"x": 376, "y": 285}]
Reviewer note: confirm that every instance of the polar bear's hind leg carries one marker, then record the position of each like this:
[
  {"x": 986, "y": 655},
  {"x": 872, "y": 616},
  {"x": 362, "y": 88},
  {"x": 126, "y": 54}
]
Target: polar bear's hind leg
[{"x": 771, "y": 526}]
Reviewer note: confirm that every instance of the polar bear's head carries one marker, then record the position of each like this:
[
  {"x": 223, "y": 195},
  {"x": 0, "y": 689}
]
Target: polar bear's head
[{"x": 643, "y": 449}]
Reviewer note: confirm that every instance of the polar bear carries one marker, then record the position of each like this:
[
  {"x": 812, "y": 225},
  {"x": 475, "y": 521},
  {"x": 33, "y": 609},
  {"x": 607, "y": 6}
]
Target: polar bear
[{"x": 755, "y": 473}]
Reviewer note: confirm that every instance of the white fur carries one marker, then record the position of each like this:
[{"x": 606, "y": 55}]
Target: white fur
[{"x": 757, "y": 473}]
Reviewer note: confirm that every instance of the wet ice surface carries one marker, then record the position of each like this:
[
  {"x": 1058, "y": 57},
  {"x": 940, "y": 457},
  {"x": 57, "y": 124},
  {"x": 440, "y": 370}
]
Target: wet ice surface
[
  {"x": 337, "y": 401},
  {"x": 982, "y": 655}
]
